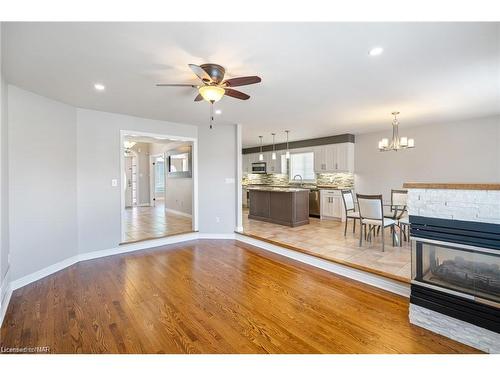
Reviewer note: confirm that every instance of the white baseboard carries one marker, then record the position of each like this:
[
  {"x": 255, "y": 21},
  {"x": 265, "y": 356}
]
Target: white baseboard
[
  {"x": 217, "y": 236},
  {"x": 25, "y": 280},
  {"x": 178, "y": 212},
  {"x": 381, "y": 282},
  {"x": 44, "y": 272},
  {"x": 5, "y": 294}
]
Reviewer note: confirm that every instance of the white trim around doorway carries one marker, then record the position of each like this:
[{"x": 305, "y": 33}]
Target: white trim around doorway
[{"x": 194, "y": 197}]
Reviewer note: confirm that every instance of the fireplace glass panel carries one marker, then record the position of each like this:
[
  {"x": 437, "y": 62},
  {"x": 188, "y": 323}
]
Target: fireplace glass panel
[{"x": 474, "y": 273}]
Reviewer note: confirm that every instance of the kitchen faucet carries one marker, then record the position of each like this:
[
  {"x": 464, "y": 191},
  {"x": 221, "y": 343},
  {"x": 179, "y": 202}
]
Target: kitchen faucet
[{"x": 297, "y": 175}]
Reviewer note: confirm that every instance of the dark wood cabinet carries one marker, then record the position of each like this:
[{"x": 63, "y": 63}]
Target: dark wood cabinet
[{"x": 280, "y": 206}]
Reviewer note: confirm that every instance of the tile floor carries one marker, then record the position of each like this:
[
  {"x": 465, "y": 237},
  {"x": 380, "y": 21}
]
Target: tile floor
[
  {"x": 153, "y": 222},
  {"x": 326, "y": 239}
]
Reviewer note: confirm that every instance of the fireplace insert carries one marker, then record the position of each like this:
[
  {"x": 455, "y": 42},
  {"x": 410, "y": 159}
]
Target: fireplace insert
[{"x": 456, "y": 269}]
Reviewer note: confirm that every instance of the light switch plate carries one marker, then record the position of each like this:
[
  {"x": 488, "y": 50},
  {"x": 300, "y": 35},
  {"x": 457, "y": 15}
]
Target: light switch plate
[
  {"x": 114, "y": 182},
  {"x": 229, "y": 180}
]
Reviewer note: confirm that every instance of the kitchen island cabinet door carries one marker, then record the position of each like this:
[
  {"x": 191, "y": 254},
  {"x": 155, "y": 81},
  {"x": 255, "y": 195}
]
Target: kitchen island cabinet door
[{"x": 260, "y": 203}]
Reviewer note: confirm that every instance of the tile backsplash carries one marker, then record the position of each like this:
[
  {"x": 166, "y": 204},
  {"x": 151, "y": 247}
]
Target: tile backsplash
[
  {"x": 265, "y": 179},
  {"x": 338, "y": 179}
]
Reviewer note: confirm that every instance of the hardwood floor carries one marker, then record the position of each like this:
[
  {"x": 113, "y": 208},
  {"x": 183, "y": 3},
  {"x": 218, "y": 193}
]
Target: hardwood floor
[
  {"x": 325, "y": 239},
  {"x": 211, "y": 296},
  {"x": 143, "y": 223}
]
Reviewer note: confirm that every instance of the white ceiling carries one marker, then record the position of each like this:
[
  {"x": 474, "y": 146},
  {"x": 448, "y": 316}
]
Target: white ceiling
[{"x": 318, "y": 79}]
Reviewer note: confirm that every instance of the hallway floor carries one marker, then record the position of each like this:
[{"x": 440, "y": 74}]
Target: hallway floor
[{"x": 153, "y": 222}]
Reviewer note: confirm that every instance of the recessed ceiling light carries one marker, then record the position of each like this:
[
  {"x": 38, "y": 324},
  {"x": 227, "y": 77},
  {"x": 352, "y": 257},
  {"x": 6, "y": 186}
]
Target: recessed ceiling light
[
  {"x": 218, "y": 111},
  {"x": 99, "y": 87},
  {"x": 376, "y": 51}
]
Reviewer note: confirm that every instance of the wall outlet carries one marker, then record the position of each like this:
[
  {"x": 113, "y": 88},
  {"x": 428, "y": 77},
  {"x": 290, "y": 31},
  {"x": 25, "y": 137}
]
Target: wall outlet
[
  {"x": 114, "y": 182},
  {"x": 217, "y": 219}
]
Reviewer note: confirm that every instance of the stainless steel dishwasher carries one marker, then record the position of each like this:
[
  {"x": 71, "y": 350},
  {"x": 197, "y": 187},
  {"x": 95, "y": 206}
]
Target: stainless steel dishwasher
[{"x": 314, "y": 203}]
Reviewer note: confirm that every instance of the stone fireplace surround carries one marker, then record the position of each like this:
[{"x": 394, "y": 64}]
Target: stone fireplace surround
[{"x": 466, "y": 203}]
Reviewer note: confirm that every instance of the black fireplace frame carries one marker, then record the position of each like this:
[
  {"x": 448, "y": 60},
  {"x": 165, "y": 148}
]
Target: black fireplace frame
[{"x": 459, "y": 235}]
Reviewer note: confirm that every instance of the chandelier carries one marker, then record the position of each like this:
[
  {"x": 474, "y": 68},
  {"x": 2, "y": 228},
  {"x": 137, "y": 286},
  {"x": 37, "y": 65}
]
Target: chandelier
[{"x": 397, "y": 142}]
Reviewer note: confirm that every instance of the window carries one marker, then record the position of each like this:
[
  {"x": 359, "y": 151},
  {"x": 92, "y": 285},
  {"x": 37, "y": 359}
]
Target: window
[{"x": 303, "y": 165}]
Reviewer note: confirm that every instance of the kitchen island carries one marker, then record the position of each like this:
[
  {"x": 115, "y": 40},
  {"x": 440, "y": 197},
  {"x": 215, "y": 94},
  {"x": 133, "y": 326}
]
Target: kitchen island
[{"x": 279, "y": 205}]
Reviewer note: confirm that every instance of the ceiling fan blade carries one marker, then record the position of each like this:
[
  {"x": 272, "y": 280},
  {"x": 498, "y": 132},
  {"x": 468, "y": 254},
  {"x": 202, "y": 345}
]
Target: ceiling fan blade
[
  {"x": 176, "y": 84},
  {"x": 242, "y": 81},
  {"x": 200, "y": 72},
  {"x": 236, "y": 94},
  {"x": 198, "y": 98}
]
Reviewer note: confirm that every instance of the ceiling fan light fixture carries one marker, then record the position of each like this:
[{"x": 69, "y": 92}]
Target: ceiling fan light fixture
[{"x": 211, "y": 93}]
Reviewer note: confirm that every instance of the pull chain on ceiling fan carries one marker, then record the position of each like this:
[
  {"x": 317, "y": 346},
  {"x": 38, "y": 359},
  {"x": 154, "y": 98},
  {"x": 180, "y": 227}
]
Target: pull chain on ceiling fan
[{"x": 214, "y": 87}]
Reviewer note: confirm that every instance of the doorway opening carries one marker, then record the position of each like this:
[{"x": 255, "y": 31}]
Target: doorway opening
[{"x": 159, "y": 186}]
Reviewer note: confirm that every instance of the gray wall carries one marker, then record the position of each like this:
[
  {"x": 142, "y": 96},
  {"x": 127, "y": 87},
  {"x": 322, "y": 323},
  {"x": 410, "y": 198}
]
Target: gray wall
[
  {"x": 217, "y": 162},
  {"x": 61, "y": 162},
  {"x": 4, "y": 182},
  {"x": 465, "y": 151},
  {"x": 42, "y": 178},
  {"x": 179, "y": 194},
  {"x": 98, "y": 161}
]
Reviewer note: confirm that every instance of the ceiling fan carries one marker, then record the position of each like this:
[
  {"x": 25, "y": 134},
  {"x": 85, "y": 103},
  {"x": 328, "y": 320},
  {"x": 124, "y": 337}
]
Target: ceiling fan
[{"x": 213, "y": 86}]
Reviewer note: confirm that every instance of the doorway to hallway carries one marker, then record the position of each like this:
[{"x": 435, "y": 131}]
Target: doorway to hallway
[{"x": 159, "y": 194}]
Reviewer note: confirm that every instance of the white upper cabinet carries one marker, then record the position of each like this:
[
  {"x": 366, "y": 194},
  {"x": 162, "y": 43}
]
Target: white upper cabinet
[
  {"x": 319, "y": 159},
  {"x": 337, "y": 157}
]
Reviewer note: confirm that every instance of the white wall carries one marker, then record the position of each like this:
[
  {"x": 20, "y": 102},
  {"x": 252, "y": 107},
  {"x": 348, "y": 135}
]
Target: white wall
[
  {"x": 217, "y": 169},
  {"x": 465, "y": 151},
  {"x": 42, "y": 179},
  {"x": 98, "y": 161}
]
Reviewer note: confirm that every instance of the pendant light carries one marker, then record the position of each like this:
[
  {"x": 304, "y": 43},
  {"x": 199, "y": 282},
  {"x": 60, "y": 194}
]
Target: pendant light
[
  {"x": 287, "y": 154},
  {"x": 261, "y": 155},
  {"x": 397, "y": 142},
  {"x": 273, "y": 155}
]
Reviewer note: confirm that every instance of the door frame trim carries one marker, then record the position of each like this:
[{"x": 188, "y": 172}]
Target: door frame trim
[{"x": 194, "y": 198}]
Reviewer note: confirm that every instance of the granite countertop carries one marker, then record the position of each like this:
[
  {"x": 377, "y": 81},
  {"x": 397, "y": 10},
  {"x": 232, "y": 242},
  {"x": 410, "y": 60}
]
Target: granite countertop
[
  {"x": 282, "y": 189},
  {"x": 450, "y": 186},
  {"x": 303, "y": 187}
]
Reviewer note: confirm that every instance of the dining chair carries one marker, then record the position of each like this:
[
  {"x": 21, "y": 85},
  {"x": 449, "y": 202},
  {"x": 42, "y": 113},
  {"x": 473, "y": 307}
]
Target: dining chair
[
  {"x": 404, "y": 226},
  {"x": 371, "y": 215},
  {"x": 399, "y": 200},
  {"x": 350, "y": 210}
]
